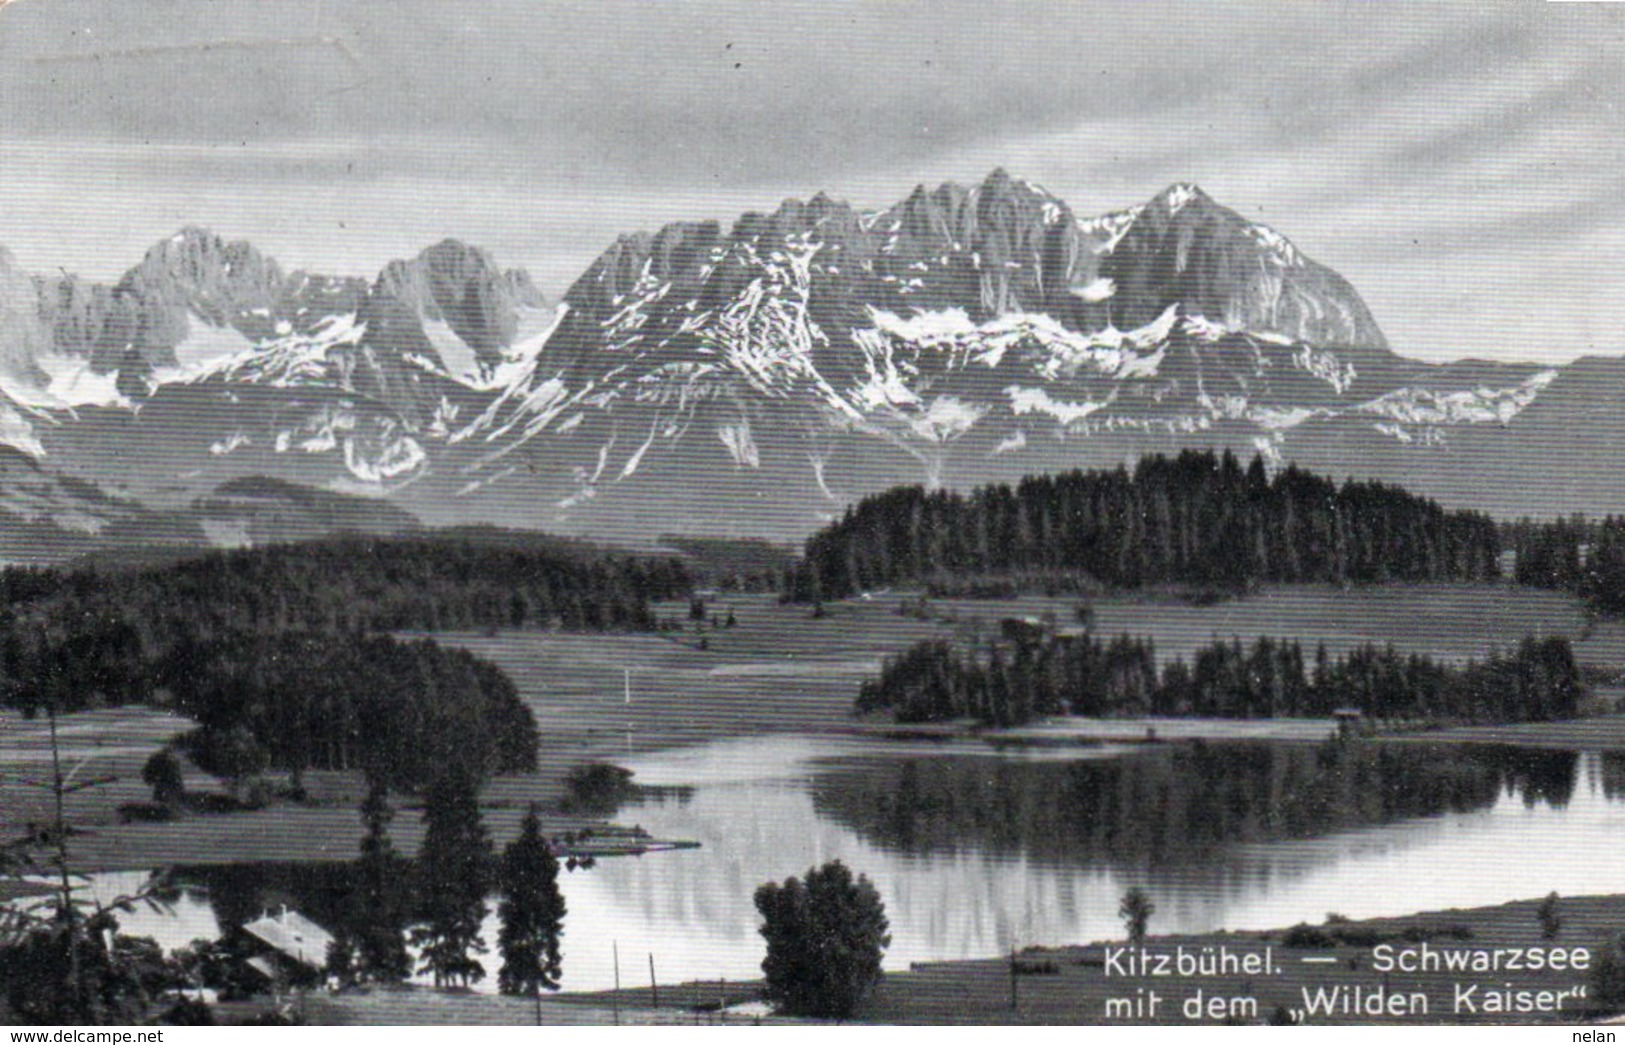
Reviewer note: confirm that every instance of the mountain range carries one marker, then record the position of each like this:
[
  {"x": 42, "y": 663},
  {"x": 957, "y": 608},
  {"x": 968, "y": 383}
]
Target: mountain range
[{"x": 749, "y": 379}]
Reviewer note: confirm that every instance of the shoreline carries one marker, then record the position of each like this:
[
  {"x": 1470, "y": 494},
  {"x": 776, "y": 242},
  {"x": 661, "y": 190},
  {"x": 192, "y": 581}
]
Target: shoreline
[{"x": 328, "y": 829}]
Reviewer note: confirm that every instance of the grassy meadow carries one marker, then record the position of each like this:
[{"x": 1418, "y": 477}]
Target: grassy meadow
[{"x": 1069, "y": 985}]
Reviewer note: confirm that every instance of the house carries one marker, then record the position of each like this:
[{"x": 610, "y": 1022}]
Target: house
[
  {"x": 1026, "y": 630},
  {"x": 1348, "y": 720},
  {"x": 287, "y": 947}
]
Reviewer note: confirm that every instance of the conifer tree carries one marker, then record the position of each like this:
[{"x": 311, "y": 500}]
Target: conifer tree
[
  {"x": 380, "y": 911},
  {"x": 532, "y": 912},
  {"x": 453, "y": 872}
]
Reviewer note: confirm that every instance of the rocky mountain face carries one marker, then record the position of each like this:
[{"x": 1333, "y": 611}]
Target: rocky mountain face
[{"x": 752, "y": 379}]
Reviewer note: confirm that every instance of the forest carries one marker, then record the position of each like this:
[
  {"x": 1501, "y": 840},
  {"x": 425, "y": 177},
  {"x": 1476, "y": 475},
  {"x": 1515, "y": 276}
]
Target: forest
[
  {"x": 282, "y": 652},
  {"x": 90, "y": 637},
  {"x": 1198, "y": 518},
  {"x": 1010, "y": 683},
  {"x": 399, "y": 711},
  {"x": 1575, "y": 555}
]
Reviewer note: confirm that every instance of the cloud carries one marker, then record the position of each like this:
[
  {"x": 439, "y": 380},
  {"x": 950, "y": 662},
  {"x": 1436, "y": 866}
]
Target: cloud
[
  {"x": 1425, "y": 150},
  {"x": 717, "y": 89}
]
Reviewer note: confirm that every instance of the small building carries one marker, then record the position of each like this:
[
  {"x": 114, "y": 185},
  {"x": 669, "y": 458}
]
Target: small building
[
  {"x": 1026, "y": 630},
  {"x": 1348, "y": 720},
  {"x": 287, "y": 947}
]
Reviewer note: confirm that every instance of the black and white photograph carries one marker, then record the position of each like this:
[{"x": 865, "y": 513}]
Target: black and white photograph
[{"x": 767, "y": 512}]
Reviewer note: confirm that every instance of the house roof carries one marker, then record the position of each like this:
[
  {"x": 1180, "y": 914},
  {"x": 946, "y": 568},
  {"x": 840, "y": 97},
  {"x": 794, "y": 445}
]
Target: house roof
[{"x": 293, "y": 935}]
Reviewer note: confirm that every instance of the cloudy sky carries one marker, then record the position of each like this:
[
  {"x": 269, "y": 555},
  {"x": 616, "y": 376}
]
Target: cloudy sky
[{"x": 1462, "y": 163}]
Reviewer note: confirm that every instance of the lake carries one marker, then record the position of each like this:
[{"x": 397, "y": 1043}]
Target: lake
[{"x": 975, "y": 851}]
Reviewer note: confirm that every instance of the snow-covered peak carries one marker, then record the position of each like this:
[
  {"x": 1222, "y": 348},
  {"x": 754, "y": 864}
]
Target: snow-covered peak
[
  {"x": 1180, "y": 194},
  {"x": 1277, "y": 245},
  {"x": 1108, "y": 230}
]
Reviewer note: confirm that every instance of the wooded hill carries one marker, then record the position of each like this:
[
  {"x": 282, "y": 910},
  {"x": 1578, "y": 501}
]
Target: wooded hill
[
  {"x": 284, "y": 649},
  {"x": 1192, "y": 519}
]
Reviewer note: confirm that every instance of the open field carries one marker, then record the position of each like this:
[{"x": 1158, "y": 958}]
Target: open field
[
  {"x": 781, "y": 670},
  {"x": 1601, "y": 733},
  {"x": 778, "y": 670},
  {"x": 425, "y": 1006},
  {"x": 115, "y": 743},
  {"x": 1060, "y": 732},
  {"x": 1069, "y": 985},
  {"x": 1451, "y": 622},
  {"x": 95, "y": 745}
]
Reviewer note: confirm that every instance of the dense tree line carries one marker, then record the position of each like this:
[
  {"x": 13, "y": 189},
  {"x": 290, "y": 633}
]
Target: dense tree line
[
  {"x": 406, "y": 713},
  {"x": 78, "y": 638},
  {"x": 1574, "y": 555},
  {"x": 1009, "y": 683},
  {"x": 1196, "y": 519},
  {"x": 281, "y": 653}
]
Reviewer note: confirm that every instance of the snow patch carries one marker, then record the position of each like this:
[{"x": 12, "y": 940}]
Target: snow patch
[
  {"x": 69, "y": 383},
  {"x": 1177, "y": 197},
  {"x": 1278, "y": 417},
  {"x": 1477, "y": 406},
  {"x": 1326, "y": 366},
  {"x": 206, "y": 344},
  {"x": 1109, "y": 229},
  {"x": 1098, "y": 289},
  {"x": 741, "y": 445},
  {"x": 225, "y": 446},
  {"x": 946, "y": 418},
  {"x": 1280, "y": 249},
  {"x": 456, "y": 356},
  {"x": 398, "y": 456},
  {"x": 1204, "y": 328},
  {"x": 1014, "y": 441},
  {"x": 1037, "y": 400}
]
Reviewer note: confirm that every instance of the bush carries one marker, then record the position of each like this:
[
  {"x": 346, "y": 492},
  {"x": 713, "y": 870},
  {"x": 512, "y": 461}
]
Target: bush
[
  {"x": 1305, "y": 935},
  {"x": 162, "y": 773},
  {"x": 598, "y": 787},
  {"x": 1549, "y": 917},
  {"x": 1357, "y": 937},
  {"x": 145, "y": 813},
  {"x": 188, "y": 1012},
  {"x": 1136, "y": 910},
  {"x": 256, "y": 793},
  {"x": 825, "y": 939},
  {"x": 1608, "y": 975},
  {"x": 233, "y": 754}
]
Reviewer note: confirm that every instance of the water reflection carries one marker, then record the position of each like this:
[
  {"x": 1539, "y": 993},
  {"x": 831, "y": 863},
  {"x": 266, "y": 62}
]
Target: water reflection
[
  {"x": 975, "y": 852},
  {"x": 1175, "y": 804}
]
